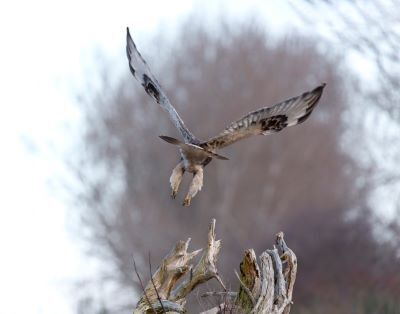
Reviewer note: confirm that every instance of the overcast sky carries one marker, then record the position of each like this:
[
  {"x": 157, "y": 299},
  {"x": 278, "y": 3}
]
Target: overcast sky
[{"x": 47, "y": 49}]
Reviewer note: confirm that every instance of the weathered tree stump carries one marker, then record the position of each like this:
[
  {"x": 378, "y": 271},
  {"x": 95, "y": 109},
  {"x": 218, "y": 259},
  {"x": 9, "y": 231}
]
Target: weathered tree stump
[{"x": 267, "y": 288}]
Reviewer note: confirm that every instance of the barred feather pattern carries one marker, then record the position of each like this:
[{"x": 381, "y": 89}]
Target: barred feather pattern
[{"x": 268, "y": 120}]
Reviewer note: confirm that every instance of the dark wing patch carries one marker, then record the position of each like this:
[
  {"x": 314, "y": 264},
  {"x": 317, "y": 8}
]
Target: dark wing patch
[
  {"x": 151, "y": 88},
  {"x": 274, "y": 123},
  {"x": 268, "y": 120}
]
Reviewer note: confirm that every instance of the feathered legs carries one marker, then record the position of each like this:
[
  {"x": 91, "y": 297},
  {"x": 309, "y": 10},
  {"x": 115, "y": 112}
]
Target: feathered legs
[
  {"x": 176, "y": 178},
  {"x": 195, "y": 186}
]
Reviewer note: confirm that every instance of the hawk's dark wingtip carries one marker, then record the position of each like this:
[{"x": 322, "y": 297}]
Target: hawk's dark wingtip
[
  {"x": 319, "y": 88},
  {"x": 129, "y": 41}
]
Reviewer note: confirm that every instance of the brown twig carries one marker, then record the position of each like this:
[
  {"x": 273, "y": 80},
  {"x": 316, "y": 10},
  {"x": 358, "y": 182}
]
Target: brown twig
[
  {"x": 142, "y": 286},
  {"x": 154, "y": 286}
]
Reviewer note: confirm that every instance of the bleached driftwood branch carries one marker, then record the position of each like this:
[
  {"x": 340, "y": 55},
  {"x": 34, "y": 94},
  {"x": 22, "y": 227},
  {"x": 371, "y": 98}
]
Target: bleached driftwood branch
[{"x": 267, "y": 288}]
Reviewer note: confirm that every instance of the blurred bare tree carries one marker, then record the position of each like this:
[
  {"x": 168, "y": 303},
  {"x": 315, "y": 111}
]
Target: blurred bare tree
[
  {"x": 370, "y": 29},
  {"x": 300, "y": 180}
]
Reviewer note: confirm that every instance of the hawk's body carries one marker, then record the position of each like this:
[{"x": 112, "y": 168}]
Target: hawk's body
[{"x": 196, "y": 154}]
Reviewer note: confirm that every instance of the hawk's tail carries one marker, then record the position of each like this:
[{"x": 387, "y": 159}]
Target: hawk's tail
[
  {"x": 171, "y": 140},
  {"x": 190, "y": 147}
]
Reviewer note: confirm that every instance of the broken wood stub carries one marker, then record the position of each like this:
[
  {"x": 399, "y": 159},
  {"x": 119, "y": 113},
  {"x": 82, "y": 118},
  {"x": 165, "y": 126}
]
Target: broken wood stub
[
  {"x": 205, "y": 269},
  {"x": 172, "y": 268},
  {"x": 250, "y": 279},
  {"x": 272, "y": 284}
]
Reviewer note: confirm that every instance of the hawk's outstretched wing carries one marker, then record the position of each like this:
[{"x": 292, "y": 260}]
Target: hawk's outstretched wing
[
  {"x": 141, "y": 72},
  {"x": 268, "y": 120}
]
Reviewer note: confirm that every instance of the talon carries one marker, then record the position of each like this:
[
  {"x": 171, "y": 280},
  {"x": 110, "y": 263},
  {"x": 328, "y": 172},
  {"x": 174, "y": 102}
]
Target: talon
[
  {"x": 173, "y": 194},
  {"x": 187, "y": 201}
]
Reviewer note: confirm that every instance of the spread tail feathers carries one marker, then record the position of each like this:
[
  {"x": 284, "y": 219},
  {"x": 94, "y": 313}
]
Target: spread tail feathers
[
  {"x": 170, "y": 140},
  {"x": 191, "y": 148}
]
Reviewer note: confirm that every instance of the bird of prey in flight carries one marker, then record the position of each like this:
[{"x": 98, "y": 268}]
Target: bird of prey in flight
[{"x": 196, "y": 154}]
